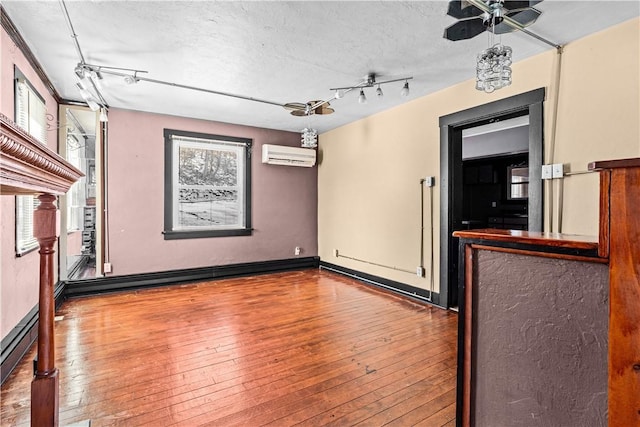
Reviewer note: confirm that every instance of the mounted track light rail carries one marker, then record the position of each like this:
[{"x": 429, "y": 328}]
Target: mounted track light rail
[{"x": 370, "y": 81}]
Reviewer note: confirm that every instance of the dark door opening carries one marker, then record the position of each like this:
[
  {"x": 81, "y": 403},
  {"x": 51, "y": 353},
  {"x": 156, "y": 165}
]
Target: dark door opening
[{"x": 489, "y": 179}]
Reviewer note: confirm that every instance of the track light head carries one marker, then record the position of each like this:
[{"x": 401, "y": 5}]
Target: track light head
[
  {"x": 103, "y": 115},
  {"x": 130, "y": 80},
  {"x": 79, "y": 70},
  {"x": 93, "y": 104},
  {"x": 379, "y": 92},
  {"x": 84, "y": 93},
  {"x": 362, "y": 99},
  {"x": 339, "y": 94},
  {"x": 405, "y": 89}
]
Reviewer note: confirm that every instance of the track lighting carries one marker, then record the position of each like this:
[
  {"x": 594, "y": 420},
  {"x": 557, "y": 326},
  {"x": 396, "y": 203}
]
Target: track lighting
[
  {"x": 93, "y": 104},
  {"x": 84, "y": 93},
  {"x": 405, "y": 89},
  {"x": 362, "y": 99},
  {"x": 103, "y": 115},
  {"x": 79, "y": 70},
  {"x": 370, "y": 81},
  {"x": 84, "y": 87}
]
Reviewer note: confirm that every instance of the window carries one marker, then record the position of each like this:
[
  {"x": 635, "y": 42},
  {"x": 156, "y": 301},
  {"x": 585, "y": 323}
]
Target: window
[
  {"x": 518, "y": 181},
  {"x": 207, "y": 185},
  {"x": 75, "y": 196},
  {"x": 31, "y": 115}
]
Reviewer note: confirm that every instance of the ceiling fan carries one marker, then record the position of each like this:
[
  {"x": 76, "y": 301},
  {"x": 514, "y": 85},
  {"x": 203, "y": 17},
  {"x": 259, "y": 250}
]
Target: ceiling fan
[
  {"x": 497, "y": 16},
  {"x": 310, "y": 108}
]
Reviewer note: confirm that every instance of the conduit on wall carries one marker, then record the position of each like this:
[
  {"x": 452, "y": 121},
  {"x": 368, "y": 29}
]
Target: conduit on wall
[{"x": 421, "y": 257}]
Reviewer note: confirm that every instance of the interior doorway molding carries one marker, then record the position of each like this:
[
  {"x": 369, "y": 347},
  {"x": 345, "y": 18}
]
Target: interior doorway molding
[{"x": 451, "y": 127}]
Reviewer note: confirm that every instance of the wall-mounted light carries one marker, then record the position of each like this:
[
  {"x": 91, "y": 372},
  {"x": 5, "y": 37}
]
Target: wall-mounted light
[{"x": 370, "y": 81}]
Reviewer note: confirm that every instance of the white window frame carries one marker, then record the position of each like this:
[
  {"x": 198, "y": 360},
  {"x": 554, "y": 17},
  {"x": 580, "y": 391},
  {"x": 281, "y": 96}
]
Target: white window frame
[
  {"x": 75, "y": 196},
  {"x": 31, "y": 116},
  {"x": 241, "y": 148}
]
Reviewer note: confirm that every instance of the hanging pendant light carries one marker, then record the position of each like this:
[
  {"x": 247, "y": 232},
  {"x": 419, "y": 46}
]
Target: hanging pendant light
[
  {"x": 309, "y": 138},
  {"x": 493, "y": 66}
]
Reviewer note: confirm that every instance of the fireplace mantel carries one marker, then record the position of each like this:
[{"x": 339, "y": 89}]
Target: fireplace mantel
[{"x": 29, "y": 167}]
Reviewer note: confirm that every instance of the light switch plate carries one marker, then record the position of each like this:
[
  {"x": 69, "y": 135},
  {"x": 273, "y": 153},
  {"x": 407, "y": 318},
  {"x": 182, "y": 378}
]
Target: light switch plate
[{"x": 558, "y": 170}]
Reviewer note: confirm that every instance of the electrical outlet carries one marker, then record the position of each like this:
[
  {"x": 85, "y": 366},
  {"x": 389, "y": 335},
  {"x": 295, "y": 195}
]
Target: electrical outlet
[
  {"x": 107, "y": 267},
  {"x": 335, "y": 253},
  {"x": 547, "y": 171},
  {"x": 430, "y": 181},
  {"x": 296, "y": 251},
  {"x": 557, "y": 170},
  {"x": 420, "y": 271}
]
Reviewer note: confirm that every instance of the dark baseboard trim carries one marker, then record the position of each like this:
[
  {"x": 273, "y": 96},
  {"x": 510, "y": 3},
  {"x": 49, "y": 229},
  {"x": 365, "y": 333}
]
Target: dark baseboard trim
[
  {"x": 77, "y": 265},
  {"x": 403, "y": 289},
  {"x": 19, "y": 340},
  {"x": 81, "y": 288}
]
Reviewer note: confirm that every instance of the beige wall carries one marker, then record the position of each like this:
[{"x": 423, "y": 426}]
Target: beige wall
[{"x": 368, "y": 181}]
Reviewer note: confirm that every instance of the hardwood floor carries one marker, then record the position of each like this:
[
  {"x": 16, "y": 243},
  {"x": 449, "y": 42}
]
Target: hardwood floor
[{"x": 307, "y": 347}]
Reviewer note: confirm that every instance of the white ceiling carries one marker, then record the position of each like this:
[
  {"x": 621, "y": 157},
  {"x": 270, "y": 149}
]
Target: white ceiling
[{"x": 280, "y": 51}]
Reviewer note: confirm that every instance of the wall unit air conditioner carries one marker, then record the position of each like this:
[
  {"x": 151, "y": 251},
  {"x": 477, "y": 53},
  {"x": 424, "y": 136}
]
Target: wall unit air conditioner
[{"x": 288, "y": 156}]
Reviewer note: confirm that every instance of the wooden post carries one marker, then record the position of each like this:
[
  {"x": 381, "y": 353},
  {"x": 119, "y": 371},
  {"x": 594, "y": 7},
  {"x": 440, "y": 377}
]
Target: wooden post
[
  {"x": 28, "y": 167},
  {"x": 620, "y": 236},
  {"x": 44, "y": 387}
]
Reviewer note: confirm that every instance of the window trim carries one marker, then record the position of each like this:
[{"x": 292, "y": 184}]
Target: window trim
[{"x": 169, "y": 233}]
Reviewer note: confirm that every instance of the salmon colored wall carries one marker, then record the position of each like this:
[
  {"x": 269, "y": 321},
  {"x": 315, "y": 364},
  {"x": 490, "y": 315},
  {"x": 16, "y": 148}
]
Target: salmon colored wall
[
  {"x": 19, "y": 276},
  {"x": 284, "y": 200}
]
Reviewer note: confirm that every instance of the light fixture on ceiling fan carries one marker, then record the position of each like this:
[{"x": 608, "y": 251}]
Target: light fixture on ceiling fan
[{"x": 370, "y": 81}]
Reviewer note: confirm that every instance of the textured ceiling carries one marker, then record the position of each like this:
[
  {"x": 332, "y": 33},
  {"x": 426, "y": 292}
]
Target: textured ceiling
[{"x": 277, "y": 51}]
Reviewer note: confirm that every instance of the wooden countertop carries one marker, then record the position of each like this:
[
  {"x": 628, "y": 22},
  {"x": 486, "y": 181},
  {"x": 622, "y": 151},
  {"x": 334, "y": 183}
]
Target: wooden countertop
[{"x": 553, "y": 240}]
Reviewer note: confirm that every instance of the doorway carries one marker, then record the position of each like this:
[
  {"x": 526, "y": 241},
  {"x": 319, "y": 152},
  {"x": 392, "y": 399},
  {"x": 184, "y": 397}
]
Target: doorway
[
  {"x": 79, "y": 222},
  {"x": 457, "y": 212}
]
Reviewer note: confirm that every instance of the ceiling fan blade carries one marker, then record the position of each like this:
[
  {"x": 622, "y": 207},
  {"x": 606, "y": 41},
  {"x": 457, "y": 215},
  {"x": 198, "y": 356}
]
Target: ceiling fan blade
[
  {"x": 463, "y": 9},
  {"x": 518, "y": 4},
  {"x": 323, "y": 109},
  {"x": 524, "y": 17},
  {"x": 462, "y": 30}
]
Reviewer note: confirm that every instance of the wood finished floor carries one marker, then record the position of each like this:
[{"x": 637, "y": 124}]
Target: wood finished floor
[{"x": 306, "y": 347}]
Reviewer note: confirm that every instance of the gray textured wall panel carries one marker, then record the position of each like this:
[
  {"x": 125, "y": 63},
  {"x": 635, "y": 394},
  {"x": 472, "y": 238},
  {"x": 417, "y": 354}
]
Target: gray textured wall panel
[{"x": 540, "y": 341}]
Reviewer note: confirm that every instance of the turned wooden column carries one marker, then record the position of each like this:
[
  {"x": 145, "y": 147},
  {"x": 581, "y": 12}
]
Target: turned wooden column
[
  {"x": 27, "y": 167},
  {"x": 44, "y": 386}
]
